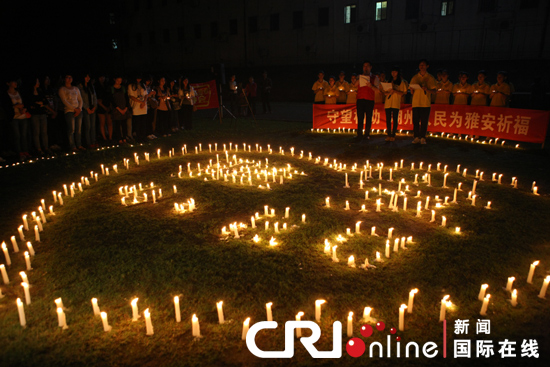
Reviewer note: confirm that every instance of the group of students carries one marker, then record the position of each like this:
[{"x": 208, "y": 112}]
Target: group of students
[
  {"x": 243, "y": 98},
  {"x": 67, "y": 115},
  {"x": 366, "y": 89}
]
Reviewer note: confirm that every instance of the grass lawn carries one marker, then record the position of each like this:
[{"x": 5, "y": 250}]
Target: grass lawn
[{"x": 96, "y": 247}]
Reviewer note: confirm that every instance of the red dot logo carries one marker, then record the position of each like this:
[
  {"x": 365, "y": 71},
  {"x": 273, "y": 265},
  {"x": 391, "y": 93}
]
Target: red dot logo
[
  {"x": 366, "y": 330},
  {"x": 355, "y": 347},
  {"x": 380, "y": 326},
  {"x": 393, "y": 330},
  {"x": 398, "y": 338}
]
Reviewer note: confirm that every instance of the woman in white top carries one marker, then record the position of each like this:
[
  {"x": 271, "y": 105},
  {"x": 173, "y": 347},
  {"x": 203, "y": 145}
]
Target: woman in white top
[
  {"x": 138, "y": 101},
  {"x": 392, "y": 101}
]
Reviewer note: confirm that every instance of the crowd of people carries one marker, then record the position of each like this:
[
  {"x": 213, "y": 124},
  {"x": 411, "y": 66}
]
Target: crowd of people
[
  {"x": 368, "y": 88},
  {"x": 243, "y": 99},
  {"x": 42, "y": 117}
]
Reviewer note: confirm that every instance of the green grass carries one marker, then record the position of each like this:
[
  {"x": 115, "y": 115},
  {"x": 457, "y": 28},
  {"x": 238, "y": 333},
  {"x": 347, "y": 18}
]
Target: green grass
[{"x": 95, "y": 247}]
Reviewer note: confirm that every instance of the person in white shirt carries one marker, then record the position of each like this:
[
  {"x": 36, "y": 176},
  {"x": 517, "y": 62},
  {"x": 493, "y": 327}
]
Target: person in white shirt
[
  {"x": 72, "y": 101},
  {"x": 138, "y": 101}
]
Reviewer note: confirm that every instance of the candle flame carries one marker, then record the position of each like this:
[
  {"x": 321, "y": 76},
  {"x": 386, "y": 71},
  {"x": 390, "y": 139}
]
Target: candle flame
[
  {"x": 273, "y": 241},
  {"x": 246, "y": 322},
  {"x": 536, "y": 263},
  {"x": 300, "y": 314},
  {"x": 403, "y": 306},
  {"x": 414, "y": 291},
  {"x": 319, "y": 302}
]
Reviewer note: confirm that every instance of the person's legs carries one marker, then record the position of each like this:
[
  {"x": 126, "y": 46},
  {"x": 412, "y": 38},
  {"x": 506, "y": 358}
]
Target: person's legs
[
  {"x": 70, "y": 125},
  {"x": 129, "y": 128},
  {"x": 395, "y": 112},
  {"x": 86, "y": 127},
  {"x": 35, "y": 126},
  {"x": 16, "y": 135},
  {"x": 92, "y": 129},
  {"x": 78, "y": 130},
  {"x": 416, "y": 121},
  {"x": 44, "y": 131},
  {"x": 424, "y": 119},
  {"x": 368, "y": 116},
  {"x": 361, "y": 109},
  {"x": 101, "y": 117},
  {"x": 388, "y": 121}
]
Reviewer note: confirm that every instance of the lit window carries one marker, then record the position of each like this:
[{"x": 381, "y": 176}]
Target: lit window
[
  {"x": 381, "y": 10},
  {"x": 447, "y": 8},
  {"x": 349, "y": 14}
]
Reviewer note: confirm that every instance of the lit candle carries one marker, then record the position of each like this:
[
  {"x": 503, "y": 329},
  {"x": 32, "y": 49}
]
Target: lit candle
[
  {"x": 318, "y": 304},
  {"x": 405, "y": 203},
  {"x": 402, "y": 317},
  {"x": 378, "y": 258},
  {"x": 303, "y": 218},
  {"x": 4, "y": 274},
  {"x": 268, "y": 311},
  {"x": 148, "y": 323},
  {"x": 177, "y": 308},
  {"x": 484, "y": 306},
  {"x": 474, "y": 200},
  {"x": 334, "y": 257},
  {"x": 445, "y": 180},
  {"x": 373, "y": 231},
  {"x": 287, "y": 212},
  {"x": 411, "y": 300},
  {"x": 390, "y": 233},
  {"x": 21, "y": 235},
  {"x": 196, "y": 330},
  {"x": 351, "y": 262},
  {"x": 482, "y": 291},
  {"x": 95, "y": 307},
  {"x": 378, "y": 203},
  {"x": 366, "y": 314},
  {"x": 58, "y": 302},
  {"x": 347, "y": 183},
  {"x": 443, "y": 308},
  {"x": 6, "y": 254},
  {"x": 299, "y": 318},
  {"x": 107, "y": 327},
  {"x": 544, "y": 287},
  {"x": 60, "y": 197},
  {"x": 21, "y": 310},
  {"x": 347, "y": 205},
  {"x": 28, "y": 260},
  {"x": 135, "y": 313},
  {"x": 531, "y": 272},
  {"x": 246, "y": 324},
  {"x": 418, "y": 209},
  {"x": 509, "y": 284},
  {"x": 358, "y": 227},
  {"x": 433, "y": 216},
  {"x": 25, "y": 222},
  {"x": 514, "y": 300},
  {"x": 36, "y": 234},
  {"x": 350, "y": 324},
  {"x": 31, "y": 249},
  {"x": 219, "y": 306}
]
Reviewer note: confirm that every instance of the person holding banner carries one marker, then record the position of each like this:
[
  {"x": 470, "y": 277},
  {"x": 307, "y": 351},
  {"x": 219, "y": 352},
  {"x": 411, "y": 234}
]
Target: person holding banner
[
  {"x": 462, "y": 90},
  {"x": 331, "y": 92},
  {"x": 422, "y": 86},
  {"x": 480, "y": 90},
  {"x": 393, "y": 92},
  {"x": 319, "y": 88},
  {"x": 368, "y": 83},
  {"x": 444, "y": 89},
  {"x": 500, "y": 91}
]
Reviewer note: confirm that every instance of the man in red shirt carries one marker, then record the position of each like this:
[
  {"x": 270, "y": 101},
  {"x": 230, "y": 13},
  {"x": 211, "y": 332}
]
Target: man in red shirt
[{"x": 368, "y": 83}]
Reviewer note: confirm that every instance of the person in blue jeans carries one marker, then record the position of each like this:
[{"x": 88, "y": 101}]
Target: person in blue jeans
[{"x": 72, "y": 101}]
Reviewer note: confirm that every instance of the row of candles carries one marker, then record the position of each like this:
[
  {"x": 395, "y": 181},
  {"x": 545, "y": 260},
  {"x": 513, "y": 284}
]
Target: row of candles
[
  {"x": 469, "y": 138},
  {"x": 195, "y": 326}
]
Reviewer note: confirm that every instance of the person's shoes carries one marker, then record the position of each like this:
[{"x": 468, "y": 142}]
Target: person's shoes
[
  {"x": 422, "y": 141},
  {"x": 392, "y": 138},
  {"x": 74, "y": 150},
  {"x": 81, "y": 148},
  {"x": 416, "y": 140},
  {"x": 388, "y": 138}
]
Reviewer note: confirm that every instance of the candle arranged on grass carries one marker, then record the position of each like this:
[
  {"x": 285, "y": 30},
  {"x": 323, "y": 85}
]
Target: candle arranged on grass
[
  {"x": 61, "y": 319},
  {"x": 484, "y": 306},
  {"x": 95, "y": 307},
  {"x": 148, "y": 323},
  {"x": 28, "y": 260},
  {"x": 443, "y": 309},
  {"x": 4, "y": 274},
  {"x": 532, "y": 272},
  {"x": 219, "y": 306},
  {"x": 21, "y": 310},
  {"x": 544, "y": 287},
  {"x": 318, "y": 304},
  {"x": 195, "y": 327},
  {"x": 350, "y": 324},
  {"x": 268, "y": 311},
  {"x": 246, "y": 325},
  {"x": 177, "y": 308},
  {"x": 482, "y": 291},
  {"x": 411, "y": 300},
  {"x": 135, "y": 312},
  {"x": 106, "y": 326},
  {"x": 402, "y": 317},
  {"x": 6, "y": 254},
  {"x": 31, "y": 249},
  {"x": 299, "y": 318},
  {"x": 509, "y": 284},
  {"x": 514, "y": 299}
]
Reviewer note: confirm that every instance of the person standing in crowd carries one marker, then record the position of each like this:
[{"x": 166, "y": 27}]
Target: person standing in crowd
[
  {"x": 422, "y": 86},
  {"x": 104, "y": 106},
  {"x": 188, "y": 97},
  {"x": 392, "y": 102},
  {"x": 444, "y": 88},
  {"x": 251, "y": 91},
  {"x": 233, "y": 94},
  {"x": 121, "y": 113},
  {"x": 265, "y": 92},
  {"x": 378, "y": 94},
  {"x": 500, "y": 92},
  {"x": 343, "y": 88},
  {"x": 137, "y": 94},
  {"x": 152, "y": 106},
  {"x": 38, "y": 109},
  {"x": 461, "y": 90},
  {"x": 319, "y": 88},
  {"x": 175, "y": 103},
  {"x": 163, "y": 110},
  {"x": 54, "y": 137},
  {"x": 331, "y": 92},
  {"x": 368, "y": 84},
  {"x": 480, "y": 90},
  {"x": 89, "y": 107},
  {"x": 16, "y": 114},
  {"x": 351, "y": 95},
  {"x": 72, "y": 100}
]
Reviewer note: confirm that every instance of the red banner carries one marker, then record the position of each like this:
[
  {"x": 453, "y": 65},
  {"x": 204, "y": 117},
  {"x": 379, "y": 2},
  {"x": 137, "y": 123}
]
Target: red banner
[
  {"x": 207, "y": 95},
  {"x": 494, "y": 122}
]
